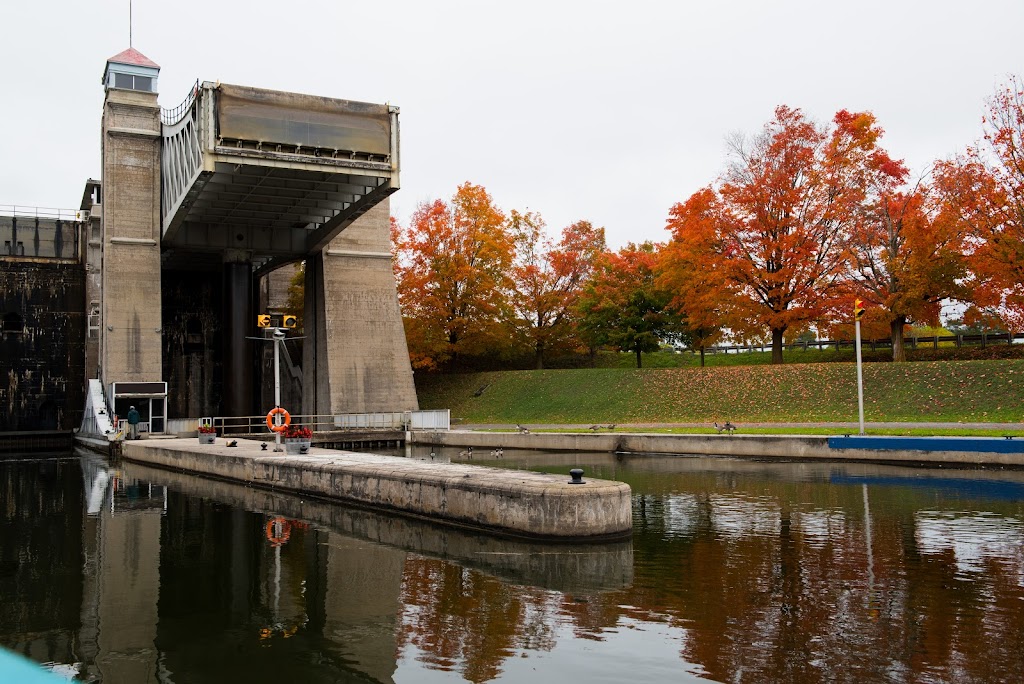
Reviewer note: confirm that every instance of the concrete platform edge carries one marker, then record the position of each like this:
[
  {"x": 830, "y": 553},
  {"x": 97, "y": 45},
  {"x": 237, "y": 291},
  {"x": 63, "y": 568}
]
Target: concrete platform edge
[{"x": 512, "y": 503}]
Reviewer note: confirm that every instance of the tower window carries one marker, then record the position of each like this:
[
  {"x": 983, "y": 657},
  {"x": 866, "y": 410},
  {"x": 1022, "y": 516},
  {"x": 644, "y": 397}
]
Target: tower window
[{"x": 132, "y": 82}]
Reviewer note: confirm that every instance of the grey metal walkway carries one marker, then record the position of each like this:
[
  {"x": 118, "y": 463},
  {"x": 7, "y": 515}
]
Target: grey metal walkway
[{"x": 276, "y": 174}]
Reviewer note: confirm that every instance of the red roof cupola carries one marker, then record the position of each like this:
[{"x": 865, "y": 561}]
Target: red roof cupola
[
  {"x": 131, "y": 70},
  {"x": 133, "y": 57}
]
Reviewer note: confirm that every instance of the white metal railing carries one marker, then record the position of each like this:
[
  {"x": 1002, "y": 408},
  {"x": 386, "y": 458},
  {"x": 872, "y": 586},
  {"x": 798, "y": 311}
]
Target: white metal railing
[
  {"x": 383, "y": 420},
  {"x": 371, "y": 421},
  {"x": 181, "y": 156},
  {"x": 438, "y": 419},
  {"x": 122, "y": 426},
  {"x": 39, "y": 212},
  {"x": 182, "y": 426},
  {"x": 97, "y": 421}
]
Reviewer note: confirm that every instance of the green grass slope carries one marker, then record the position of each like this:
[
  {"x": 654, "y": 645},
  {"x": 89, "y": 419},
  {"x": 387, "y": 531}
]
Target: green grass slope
[{"x": 983, "y": 391}]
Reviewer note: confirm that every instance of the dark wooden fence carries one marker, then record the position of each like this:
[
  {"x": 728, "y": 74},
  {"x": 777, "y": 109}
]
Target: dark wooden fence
[{"x": 983, "y": 340}]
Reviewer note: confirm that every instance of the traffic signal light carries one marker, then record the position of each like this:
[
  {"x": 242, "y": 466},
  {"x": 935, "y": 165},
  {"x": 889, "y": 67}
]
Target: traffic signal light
[
  {"x": 858, "y": 309},
  {"x": 263, "y": 321},
  {"x": 289, "y": 321}
]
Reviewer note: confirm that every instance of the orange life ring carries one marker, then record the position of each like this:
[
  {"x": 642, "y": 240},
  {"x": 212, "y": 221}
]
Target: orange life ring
[
  {"x": 278, "y": 531},
  {"x": 283, "y": 426}
]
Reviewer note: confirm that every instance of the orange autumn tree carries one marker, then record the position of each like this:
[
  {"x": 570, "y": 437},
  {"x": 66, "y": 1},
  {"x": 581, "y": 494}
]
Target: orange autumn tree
[
  {"x": 548, "y": 279},
  {"x": 788, "y": 198},
  {"x": 984, "y": 189},
  {"x": 906, "y": 257},
  {"x": 453, "y": 263},
  {"x": 622, "y": 304},
  {"x": 690, "y": 270}
]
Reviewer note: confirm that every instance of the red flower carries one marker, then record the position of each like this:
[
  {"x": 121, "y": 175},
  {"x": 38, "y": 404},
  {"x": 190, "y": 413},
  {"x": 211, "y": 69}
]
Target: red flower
[{"x": 298, "y": 432}]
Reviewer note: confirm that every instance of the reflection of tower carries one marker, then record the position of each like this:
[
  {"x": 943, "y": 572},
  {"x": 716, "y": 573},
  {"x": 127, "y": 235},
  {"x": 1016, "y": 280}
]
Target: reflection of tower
[
  {"x": 40, "y": 560},
  {"x": 121, "y": 580},
  {"x": 361, "y": 609}
]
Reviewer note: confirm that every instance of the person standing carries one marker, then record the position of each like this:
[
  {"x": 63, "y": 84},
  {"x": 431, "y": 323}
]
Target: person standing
[{"x": 133, "y": 423}]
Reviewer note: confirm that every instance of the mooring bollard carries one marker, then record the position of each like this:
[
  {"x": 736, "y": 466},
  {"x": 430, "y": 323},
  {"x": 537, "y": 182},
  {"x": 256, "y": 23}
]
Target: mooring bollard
[{"x": 577, "y": 476}]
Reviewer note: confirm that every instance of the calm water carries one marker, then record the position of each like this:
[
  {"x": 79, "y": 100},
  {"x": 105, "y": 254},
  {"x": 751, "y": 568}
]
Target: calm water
[{"x": 737, "y": 571}]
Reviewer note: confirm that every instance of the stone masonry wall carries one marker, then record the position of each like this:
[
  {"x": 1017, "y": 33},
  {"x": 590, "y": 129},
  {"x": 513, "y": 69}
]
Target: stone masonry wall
[{"x": 42, "y": 345}]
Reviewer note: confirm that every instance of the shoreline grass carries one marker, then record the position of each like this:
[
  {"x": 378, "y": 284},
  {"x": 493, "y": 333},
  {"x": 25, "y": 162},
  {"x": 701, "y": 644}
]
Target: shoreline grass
[{"x": 941, "y": 391}]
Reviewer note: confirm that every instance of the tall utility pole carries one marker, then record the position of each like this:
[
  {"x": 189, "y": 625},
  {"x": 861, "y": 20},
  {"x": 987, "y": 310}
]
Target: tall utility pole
[{"x": 858, "y": 311}]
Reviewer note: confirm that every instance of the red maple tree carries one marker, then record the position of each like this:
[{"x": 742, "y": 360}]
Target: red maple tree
[
  {"x": 453, "y": 264},
  {"x": 984, "y": 188},
  {"x": 547, "y": 280},
  {"x": 690, "y": 269}
]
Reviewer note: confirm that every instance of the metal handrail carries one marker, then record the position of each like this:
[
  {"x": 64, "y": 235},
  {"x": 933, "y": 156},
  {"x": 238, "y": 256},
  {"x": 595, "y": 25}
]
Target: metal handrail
[
  {"x": 316, "y": 423},
  {"x": 909, "y": 341},
  {"x": 39, "y": 212},
  {"x": 170, "y": 117},
  {"x": 381, "y": 420}
]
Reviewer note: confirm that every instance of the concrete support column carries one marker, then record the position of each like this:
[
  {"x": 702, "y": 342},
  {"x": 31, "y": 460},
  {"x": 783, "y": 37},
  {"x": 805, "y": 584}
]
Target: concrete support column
[
  {"x": 355, "y": 358},
  {"x": 316, "y": 380},
  {"x": 238, "y": 320}
]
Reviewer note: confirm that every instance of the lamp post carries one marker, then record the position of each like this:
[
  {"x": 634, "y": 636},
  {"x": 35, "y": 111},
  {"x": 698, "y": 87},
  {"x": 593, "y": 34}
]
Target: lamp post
[
  {"x": 858, "y": 311},
  {"x": 279, "y": 339}
]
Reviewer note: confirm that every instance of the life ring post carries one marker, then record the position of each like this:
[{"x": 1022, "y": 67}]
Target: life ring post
[{"x": 276, "y": 425}]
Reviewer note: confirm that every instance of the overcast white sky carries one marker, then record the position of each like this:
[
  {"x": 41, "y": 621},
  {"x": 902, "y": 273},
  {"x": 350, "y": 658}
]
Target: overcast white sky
[{"x": 606, "y": 111}]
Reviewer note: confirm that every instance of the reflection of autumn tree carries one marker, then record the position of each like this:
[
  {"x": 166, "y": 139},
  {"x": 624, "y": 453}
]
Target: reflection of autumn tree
[
  {"x": 776, "y": 580},
  {"x": 767, "y": 580},
  {"x": 592, "y": 616},
  {"x": 458, "y": 616},
  {"x": 963, "y": 623}
]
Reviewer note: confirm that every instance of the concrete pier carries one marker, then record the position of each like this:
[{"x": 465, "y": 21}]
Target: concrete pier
[
  {"x": 558, "y": 567},
  {"x": 511, "y": 502}
]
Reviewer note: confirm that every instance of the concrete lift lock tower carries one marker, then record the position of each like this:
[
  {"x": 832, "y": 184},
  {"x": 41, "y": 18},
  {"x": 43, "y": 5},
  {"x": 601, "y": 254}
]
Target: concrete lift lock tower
[{"x": 199, "y": 202}]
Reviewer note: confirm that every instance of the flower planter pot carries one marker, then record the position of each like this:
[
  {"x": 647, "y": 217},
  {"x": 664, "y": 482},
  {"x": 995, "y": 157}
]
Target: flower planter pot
[
  {"x": 296, "y": 445},
  {"x": 207, "y": 437}
]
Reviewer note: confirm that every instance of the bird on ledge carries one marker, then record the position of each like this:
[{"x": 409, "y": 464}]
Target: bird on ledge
[{"x": 725, "y": 427}]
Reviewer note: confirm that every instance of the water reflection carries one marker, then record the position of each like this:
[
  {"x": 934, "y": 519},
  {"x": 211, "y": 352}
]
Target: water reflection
[{"x": 738, "y": 571}]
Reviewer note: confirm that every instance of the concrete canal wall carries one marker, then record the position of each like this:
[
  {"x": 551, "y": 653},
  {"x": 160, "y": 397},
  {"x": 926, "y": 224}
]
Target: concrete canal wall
[
  {"x": 968, "y": 451},
  {"x": 516, "y": 503}
]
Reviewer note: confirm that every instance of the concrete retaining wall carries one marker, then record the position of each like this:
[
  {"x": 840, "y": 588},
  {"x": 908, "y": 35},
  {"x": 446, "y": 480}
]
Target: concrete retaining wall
[
  {"x": 517, "y": 503},
  {"x": 746, "y": 446}
]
